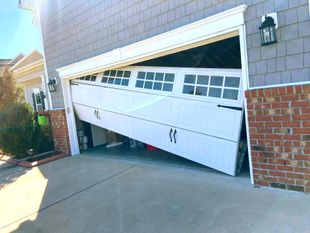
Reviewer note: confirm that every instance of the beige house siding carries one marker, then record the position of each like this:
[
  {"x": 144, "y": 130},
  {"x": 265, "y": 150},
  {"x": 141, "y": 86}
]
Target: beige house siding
[
  {"x": 32, "y": 58},
  {"x": 29, "y": 74}
]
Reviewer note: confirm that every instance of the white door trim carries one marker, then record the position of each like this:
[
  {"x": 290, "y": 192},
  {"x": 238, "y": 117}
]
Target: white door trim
[
  {"x": 214, "y": 28},
  {"x": 71, "y": 124},
  {"x": 245, "y": 82}
]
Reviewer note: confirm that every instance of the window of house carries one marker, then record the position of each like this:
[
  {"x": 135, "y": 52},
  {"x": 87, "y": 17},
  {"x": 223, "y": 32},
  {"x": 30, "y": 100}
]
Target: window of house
[
  {"x": 38, "y": 100},
  {"x": 155, "y": 81},
  {"x": 116, "y": 77},
  {"x": 212, "y": 86}
]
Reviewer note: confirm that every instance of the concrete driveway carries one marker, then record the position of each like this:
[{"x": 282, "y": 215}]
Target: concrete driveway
[{"x": 93, "y": 194}]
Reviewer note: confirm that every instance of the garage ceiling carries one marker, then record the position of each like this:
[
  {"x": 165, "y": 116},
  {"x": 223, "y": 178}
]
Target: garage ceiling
[{"x": 221, "y": 54}]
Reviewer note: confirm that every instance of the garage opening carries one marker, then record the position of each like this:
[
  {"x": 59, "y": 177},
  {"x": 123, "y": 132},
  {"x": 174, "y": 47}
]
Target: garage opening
[
  {"x": 224, "y": 54},
  {"x": 188, "y": 103},
  {"x": 108, "y": 144}
]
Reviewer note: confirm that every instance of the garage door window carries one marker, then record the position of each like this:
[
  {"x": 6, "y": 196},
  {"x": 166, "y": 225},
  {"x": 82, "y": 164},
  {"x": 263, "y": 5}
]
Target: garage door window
[
  {"x": 91, "y": 78},
  {"x": 231, "y": 88},
  {"x": 196, "y": 84},
  {"x": 155, "y": 81},
  {"x": 116, "y": 77},
  {"x": 212, "y": 86}
]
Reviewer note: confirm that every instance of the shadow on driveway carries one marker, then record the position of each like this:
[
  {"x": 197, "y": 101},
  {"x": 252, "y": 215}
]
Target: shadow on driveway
[
  {"x": 100, "y": 194},
  {"x": 10, "y": 173}
]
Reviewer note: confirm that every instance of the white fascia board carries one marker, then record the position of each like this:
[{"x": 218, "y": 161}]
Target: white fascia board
[
  {"x": 159, "y": 45},
  {"x": 23, "y": 59},
  {"x": 29, "y": 77},
  {"x": 29, "y": 66}
]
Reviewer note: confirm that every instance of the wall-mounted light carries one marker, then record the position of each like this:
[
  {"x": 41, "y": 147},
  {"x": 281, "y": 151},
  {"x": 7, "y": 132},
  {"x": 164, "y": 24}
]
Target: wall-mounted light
[
  {"x": 268, "y": 29},
  {"x": 52, "y": 85}
]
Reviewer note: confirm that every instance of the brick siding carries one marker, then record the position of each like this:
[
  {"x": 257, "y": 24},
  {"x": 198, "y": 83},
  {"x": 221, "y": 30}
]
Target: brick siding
[
  {"x": 60, "y": 131},
  {"x": 279, "y": 125}
]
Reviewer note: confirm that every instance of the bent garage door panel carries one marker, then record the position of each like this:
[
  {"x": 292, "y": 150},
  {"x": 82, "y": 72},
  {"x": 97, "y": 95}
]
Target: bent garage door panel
[
  {"x": 205, "y": 121},
  {"x": 189, "y": 114},
  {"x": 109, "y": 120},
  {"x": 213, "y": 152}
]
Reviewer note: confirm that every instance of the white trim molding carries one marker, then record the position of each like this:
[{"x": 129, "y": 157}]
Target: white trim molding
[
  {"x": 23, "y": 59},
  {"x": 28, "y": 67},
  {"x": 192, "y": 35},
  {"x": 48, "y": 94},
  {"x": 29, "y": 77},
  {"x": 280, "y": 85}
]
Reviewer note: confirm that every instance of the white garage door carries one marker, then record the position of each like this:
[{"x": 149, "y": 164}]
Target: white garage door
[{"x": 194, "y": 113}]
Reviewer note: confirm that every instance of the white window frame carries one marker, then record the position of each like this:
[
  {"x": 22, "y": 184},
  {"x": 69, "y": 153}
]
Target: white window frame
[
  {"x": 113, "y": 84},
  {"x": 215, "y": 72},
  {"x": 163, "y": 82},
  {"x": 36, "y": 92},
  {"x": 178, "y": 83}
]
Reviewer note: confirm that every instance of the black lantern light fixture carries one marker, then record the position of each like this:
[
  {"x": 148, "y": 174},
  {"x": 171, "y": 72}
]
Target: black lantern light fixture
[
  {"x": 268, "y": 31},
  {"x": 52, "y": 85}
]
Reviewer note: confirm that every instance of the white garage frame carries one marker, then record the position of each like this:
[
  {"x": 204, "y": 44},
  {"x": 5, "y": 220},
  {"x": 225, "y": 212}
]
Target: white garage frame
[{"x": 211, "y": 29}]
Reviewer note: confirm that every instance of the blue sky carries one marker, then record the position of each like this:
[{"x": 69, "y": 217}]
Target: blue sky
[{"x": 17, "y": 34}]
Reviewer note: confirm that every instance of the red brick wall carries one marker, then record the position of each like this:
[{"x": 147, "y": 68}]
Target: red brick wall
[
  {"x": 60, "y": 131},
  {"x": 279, "y": 125}
]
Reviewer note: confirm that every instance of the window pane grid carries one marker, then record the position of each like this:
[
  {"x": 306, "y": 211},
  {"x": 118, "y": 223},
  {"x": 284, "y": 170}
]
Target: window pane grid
[
  {"x": 91, "y": 78},
  {"x": 116, "y": 77},
  {"x": 155, "y": 81},
  {"x": 216, "y": 86}
]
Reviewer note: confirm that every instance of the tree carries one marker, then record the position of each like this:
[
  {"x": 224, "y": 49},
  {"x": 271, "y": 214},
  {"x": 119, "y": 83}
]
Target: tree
[
  {"x": 18, "y": 130},
  {"x": 9, "y": 93}
]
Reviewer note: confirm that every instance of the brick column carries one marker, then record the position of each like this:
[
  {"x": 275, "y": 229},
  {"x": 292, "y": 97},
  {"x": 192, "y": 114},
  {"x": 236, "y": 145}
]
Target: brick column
[
  {"x": 60, "y": 131},
  {"x": 279, "y": 125}
]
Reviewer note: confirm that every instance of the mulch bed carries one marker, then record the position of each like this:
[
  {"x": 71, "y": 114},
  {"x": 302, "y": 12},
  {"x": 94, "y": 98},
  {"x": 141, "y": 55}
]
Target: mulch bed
[{"x": 33, "y": 161}]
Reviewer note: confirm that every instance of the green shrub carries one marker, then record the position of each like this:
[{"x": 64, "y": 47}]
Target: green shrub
[
  {"x": 19, "y": 132},
  {"x": 16, "y": 129},
  {"x": 42, "y": 139}
]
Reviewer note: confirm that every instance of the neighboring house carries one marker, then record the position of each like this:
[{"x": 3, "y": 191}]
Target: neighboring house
[
  {"x": 9, "y": 63},
  {"x": 180, "y": 74},
  {"x": 29, "y": 74},
  {"x": 3, "y": 63}
]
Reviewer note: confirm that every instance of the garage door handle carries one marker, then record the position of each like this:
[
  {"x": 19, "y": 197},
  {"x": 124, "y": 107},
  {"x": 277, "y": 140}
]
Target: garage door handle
[
  {"x": 170, "y": 135},
  {"x": 229, "y": 107},
  {"x": 175, "y": 132},
  {"x": 96, "y": 113}
]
